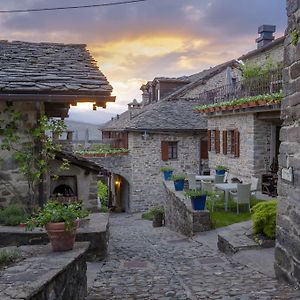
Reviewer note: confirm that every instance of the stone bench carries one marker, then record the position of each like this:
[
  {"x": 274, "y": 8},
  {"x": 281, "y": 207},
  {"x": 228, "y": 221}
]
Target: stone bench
[
  {"x": 46, "y": 275},
  {"x": 95, "y": 231},
  {"x": 179, "y": 215}
]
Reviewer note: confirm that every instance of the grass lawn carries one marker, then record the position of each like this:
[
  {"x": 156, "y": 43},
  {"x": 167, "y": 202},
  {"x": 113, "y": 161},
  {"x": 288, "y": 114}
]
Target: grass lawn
[{"x": 221, "y": 218}]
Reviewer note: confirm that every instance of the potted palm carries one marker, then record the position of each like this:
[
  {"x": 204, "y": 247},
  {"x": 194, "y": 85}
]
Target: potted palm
[
  {"x": 178, "y": 181},
  {"x": 198, "y": 198},
  {"x": 168, "y": 171},
  {"x": 60, "y": 221}
]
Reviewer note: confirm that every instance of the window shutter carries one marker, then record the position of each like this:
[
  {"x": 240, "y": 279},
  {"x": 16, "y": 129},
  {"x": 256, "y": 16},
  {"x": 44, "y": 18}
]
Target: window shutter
[
  {"x": 217, "y": 141},
  {"x": 164, "y": 151},
  {"x": 204, "y": 149},
  {"x": 224, "y": 142},
  {"x": 209, "y": 140},
  {"x": 236, "y": 143}
]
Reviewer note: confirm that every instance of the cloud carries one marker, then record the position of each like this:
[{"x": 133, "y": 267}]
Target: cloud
[{"x": 135, "y": 43}]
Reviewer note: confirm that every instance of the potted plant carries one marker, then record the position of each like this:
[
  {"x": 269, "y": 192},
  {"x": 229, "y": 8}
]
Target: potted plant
[
  {"x": 60, "y": 221},
  {"x": 198, "y": 198},
  {"x": 158, "y": 216},
  {"x": 178, "y": 181},
  {"x": 220, "y": 170},
  {"x": 168, "y": 171}
]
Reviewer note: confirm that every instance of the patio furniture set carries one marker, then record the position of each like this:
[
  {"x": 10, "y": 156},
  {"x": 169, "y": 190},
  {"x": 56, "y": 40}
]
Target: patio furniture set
[{"x": 240, "y": 193}]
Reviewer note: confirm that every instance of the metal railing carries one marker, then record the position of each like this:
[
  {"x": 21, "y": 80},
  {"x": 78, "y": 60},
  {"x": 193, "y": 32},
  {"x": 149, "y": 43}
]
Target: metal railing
[{"x": 265, "y": 84}]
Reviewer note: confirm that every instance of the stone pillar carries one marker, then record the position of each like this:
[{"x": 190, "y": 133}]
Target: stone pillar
[{"x": 287, "y": 251}]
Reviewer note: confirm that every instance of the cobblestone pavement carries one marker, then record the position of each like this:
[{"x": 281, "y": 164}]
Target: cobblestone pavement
[{"x": 156, "y": 263}]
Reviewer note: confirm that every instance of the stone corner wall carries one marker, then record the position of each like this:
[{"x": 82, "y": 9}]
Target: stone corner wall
[
  {"x": 287, "y": 255},
  {"x": 179, "y": 215}
]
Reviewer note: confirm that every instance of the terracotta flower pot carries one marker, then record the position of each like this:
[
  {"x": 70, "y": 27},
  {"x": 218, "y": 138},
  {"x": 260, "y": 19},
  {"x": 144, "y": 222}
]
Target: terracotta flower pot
[
  {"x": 252, "y": 104},
  {"x": 262, "y": 102},
  {"x": 61, "y": 240}
]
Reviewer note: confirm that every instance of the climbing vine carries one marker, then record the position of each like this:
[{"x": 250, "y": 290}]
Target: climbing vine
[
  {"x": 295, "y": 37},
  {"x": 32, "y": 148}
]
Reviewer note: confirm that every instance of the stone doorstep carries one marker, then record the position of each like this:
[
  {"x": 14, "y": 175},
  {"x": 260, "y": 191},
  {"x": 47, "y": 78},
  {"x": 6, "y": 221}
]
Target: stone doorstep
[
  {"x": 34, "y": 274},
  {"x": 231, "y": 243}
]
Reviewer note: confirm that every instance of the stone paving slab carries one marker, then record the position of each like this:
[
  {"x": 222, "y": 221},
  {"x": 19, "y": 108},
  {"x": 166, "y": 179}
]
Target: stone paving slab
[{"x": 180, "y": 270}]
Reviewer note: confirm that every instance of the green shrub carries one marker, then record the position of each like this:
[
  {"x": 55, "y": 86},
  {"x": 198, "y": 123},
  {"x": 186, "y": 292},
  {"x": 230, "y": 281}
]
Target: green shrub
[
  {"x": 12, "y": 216},
  {"x": 149, "y": 215},
  {"x": 264, "y": 218},
  {"x": 166, "y": 169},
  {"x": 8, "y": 256},
  {"x": 102, "y": 193}
]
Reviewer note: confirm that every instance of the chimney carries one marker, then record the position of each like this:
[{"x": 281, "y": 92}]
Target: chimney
[{"x": 266, "y": 35}]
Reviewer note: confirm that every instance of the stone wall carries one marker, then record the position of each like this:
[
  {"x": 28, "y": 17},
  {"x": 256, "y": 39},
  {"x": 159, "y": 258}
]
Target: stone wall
[
  {"x": 272, "y": 55},
  {"x": 146, "y": 186},
  {"x": 179, "y": 215},
  {"x": 13, "y": 185},
  {"x": 47, "y": 275},
  {"x": 212, "y": 83},
  {"x": 255, "y": 137},
  {"x": 141, "y": 166},
  {"x": 287, "y": 255}
]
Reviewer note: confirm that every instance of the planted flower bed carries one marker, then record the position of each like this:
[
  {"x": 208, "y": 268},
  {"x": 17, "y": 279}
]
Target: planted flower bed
[
  {"x": 102, "y": 152},
  {"x": 259, "y": 100}
]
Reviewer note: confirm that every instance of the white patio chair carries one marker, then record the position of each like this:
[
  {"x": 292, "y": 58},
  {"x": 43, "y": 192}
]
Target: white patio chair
[
  {"x": 219, "y": 178},
  {"x": 242, "y": 196},
  {"x": 226, "y": 177},
  {"x": 254, "y": 185},
  {"x": 192, "y": 181},
  {"x": 209, "y": 187}
]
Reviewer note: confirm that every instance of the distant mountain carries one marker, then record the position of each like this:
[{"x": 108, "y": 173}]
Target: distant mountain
[
  {"x": 90, "y": 116},
  {"x": 83, "y": 131}
]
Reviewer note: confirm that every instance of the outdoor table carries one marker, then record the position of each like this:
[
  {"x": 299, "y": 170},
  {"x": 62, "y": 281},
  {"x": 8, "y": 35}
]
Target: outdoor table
[
  {"x": 205, "y": 177},
  {"x": 226, "y": 187}
]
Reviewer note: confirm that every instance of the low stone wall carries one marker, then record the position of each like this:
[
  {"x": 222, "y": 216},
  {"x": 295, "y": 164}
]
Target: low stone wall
[
  {"x": 47, "y": 275},
  {"x": 179, "y": 215},
  {"x": 95, "y": 231}
]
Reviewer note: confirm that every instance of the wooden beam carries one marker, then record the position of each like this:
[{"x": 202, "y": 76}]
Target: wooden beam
[
  {"x": 269, "y": 115},
  {"x": 52, "y": 98}
]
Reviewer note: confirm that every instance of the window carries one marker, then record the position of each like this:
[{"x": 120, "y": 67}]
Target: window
[
  {"x": 169, "y": 150},
  {"x": 233, "y": 142},
  {"x": 214, "y": 140}
]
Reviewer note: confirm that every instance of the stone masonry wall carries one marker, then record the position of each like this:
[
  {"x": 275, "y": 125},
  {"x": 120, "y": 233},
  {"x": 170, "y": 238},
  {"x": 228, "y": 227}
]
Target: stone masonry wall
[
  {"x": 179, "y": 215},
  {"x": 214, "y": 82},
  {"x": 146, "y": 186},
  {"x": 274, "y": 55},
  {"x": 287, "y": 254},
  {"x": 13, "y": 185},
  {"x": 255, "y": 138}
]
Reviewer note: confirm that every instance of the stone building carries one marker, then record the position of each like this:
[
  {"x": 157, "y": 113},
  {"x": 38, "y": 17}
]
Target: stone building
[
  {"x": 161, "y": 130},
  {"x": 39, "y": 79},
  {"x": 287, "y": 255},
  {"x": 246, "y": 139}
]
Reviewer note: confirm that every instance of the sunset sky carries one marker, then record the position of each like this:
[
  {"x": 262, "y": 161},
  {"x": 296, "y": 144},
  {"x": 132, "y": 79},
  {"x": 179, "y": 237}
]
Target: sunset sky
[{"x": 137, "y": 42}]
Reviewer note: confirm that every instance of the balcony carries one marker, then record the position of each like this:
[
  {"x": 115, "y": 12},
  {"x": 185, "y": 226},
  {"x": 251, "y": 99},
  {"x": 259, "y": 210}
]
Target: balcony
[{"x": 267, "y": 84}]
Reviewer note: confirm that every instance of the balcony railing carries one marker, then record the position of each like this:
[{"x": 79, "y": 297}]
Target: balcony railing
[{"x": 265, "y": 84}]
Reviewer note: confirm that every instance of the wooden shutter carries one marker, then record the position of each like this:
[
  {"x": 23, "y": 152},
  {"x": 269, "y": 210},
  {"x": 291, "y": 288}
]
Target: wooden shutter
[
  {"x": 209, "y": 140},
  {"x": 236, "y": 143},
  {"x": 224, "y": 137},
  {"x": 217, "y": 141},
  {"x": 204, "y": 149},
  {"x": 164, "y": 151}
]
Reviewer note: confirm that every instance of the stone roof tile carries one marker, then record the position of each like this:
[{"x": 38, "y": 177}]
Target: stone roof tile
[{"x": 48, "y": 68}]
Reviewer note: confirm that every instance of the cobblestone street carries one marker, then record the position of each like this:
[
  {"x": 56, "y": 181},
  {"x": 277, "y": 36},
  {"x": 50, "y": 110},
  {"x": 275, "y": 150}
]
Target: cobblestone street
[{"x": 156, "y": 263}]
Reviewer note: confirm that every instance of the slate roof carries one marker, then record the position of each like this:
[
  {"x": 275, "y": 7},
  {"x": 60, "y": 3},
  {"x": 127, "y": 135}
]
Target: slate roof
[
  {"x": 175, "y": 115},
  {"x": 49, "y": 68}
]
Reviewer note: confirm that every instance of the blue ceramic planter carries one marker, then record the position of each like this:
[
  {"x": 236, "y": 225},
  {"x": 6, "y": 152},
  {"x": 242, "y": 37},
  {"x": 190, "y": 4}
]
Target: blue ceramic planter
[
  {"x": 179, "y": 185},
  {"x": 220, "y": 172},
  {"x": 198, "y": 202},
  {"x": 168, "y": 175}
]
